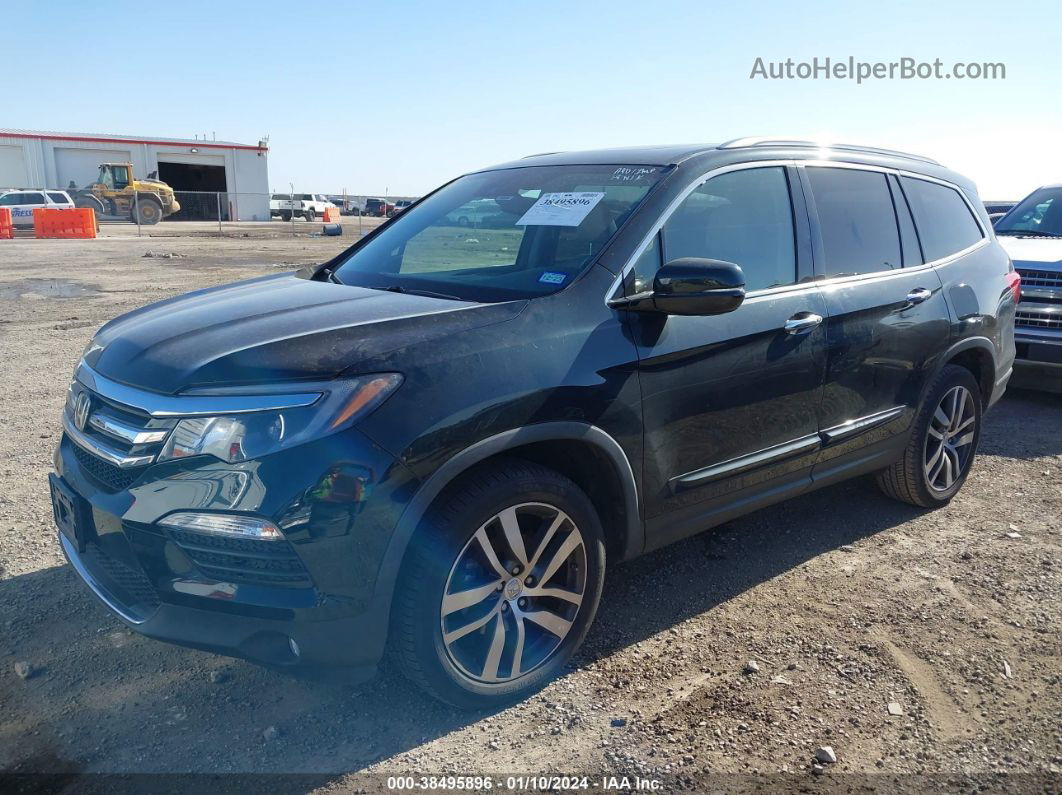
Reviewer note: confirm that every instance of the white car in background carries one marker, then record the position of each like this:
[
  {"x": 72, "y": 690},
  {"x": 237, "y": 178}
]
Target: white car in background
[
  {"x": 23, "y": 202},
  {"x": 300, "y": 205}
]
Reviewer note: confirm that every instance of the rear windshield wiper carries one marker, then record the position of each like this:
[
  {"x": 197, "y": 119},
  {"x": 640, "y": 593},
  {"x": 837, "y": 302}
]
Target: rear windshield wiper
[
  {"x": 397, "y": 288},
  {"x": 1026, "y": 233}
]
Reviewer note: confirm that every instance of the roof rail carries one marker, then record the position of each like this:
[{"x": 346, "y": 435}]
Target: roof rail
[{"x": 741, "y": 143}]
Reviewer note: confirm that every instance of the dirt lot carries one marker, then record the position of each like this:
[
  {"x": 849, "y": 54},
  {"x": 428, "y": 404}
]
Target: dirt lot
[{"x": 847, "y": 603}]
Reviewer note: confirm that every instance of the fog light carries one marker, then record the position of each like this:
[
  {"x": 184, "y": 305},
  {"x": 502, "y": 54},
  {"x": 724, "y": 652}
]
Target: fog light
[{"x": 224, "y": 524}]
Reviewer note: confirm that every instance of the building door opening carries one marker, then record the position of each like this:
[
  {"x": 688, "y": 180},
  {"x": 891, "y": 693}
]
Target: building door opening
[{"x": 196, "y": 186}]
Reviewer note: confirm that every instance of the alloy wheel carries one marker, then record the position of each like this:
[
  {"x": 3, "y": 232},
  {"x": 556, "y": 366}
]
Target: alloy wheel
[
  {"x": 949, "y": 439},
  {"x": 514, "y": 592}
]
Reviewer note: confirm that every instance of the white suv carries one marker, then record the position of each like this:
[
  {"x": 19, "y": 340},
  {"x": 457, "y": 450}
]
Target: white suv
[
  {"x": 22, "y": 203},
  {"x": 307, "y": 205}
]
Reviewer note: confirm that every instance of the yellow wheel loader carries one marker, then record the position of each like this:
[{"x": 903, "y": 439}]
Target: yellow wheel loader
[{"x": 116, "y": 192}]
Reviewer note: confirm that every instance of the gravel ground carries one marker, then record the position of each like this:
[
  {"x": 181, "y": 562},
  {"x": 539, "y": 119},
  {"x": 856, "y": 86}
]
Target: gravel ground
[{"x": 908, "y": 642}]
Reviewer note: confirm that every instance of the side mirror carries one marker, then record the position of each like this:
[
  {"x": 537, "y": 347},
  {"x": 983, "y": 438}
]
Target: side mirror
[{"x": 690, "y": 286}]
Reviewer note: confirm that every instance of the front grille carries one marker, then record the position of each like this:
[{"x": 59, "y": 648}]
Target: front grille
[
  {"x": 1038, "y": 319},
  {"x": 105, "y": 416},
  {"x": 243, "y": 560},
  {"x": 136, "y": 587},
  {"x": 1031, "y": 278},
  {"x": 106, "y": 431},
  {"x": 107, "y": 476}
]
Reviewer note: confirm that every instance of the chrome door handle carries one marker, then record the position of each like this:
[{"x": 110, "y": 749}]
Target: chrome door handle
[
  {"x": 918, "y": 295},
  {"x": 804, "y": 321}
]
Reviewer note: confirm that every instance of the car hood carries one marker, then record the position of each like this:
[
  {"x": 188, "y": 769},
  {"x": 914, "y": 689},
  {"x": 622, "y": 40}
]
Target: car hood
[
  {"x": 1034, "y": 252},
  {"x": 273, "y": 329}
]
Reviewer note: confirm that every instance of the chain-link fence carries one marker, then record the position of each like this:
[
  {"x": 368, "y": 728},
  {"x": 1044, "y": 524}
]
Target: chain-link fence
[{"x": 228, "y": 213}]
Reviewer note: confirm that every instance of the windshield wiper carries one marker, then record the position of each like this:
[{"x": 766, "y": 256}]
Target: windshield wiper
[
  {"x": 397, "y": 288},
  {"x": 1026, "y": 233},
  {"x": 329, "y": 274}
]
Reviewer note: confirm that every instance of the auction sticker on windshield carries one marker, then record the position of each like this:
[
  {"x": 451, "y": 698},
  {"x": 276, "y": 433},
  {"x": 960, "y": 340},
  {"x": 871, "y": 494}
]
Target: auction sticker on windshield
[{"x": 560, "y": 209}]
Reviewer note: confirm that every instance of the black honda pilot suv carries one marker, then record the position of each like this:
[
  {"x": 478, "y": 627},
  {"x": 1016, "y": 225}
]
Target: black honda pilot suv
[{"x": 433, "y": 443}]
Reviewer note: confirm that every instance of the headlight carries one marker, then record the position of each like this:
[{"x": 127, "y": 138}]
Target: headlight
[{"x": 243, "y": 436}]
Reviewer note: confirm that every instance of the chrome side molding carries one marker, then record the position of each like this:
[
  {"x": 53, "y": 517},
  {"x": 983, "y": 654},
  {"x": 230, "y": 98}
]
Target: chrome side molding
[
  {"x": 859, "y": 425},
  {"x": 770, "y": 455},
  {"x": 805, "y": 444}
]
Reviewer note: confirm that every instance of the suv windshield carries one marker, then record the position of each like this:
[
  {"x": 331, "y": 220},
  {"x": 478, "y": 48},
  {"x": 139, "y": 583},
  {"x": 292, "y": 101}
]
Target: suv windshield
[
  {"x": 1039, "y": 213},
  {"x": 502, "y": 235}
]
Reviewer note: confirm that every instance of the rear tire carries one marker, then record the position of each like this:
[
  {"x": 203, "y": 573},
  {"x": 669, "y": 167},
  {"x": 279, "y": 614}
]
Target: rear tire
[
  {"x": 942, "y": 445},
  {"x": 490, "y": 537},
  {"x": 94, "y": 204}
]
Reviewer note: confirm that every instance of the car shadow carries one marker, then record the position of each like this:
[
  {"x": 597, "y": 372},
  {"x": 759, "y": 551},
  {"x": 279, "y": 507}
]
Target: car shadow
[
  {"x": 1034, "y": 432},
  {"x": 103, "y": 699}
]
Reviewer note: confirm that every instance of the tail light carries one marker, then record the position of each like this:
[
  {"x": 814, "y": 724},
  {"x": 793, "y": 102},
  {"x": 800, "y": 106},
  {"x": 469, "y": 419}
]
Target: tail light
[{"x": 1014, "y": 283}]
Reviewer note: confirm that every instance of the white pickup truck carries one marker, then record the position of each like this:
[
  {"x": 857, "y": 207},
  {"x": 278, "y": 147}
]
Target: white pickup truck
[
  {"x": 23, "y": 202},
  {"x": 299, "y": 205}
]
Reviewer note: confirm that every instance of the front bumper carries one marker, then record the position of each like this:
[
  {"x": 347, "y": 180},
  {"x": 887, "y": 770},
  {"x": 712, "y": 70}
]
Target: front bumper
[
  {"x": 1038, "y": 343},
  {"x": 270, "y": 641},
  {"x": 313, "y": 607}
]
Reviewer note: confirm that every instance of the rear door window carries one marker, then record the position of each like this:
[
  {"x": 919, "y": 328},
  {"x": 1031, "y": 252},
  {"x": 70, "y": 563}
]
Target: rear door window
[
  {"x": 946, "y": 225},
  {"x": 857, "y": 222},
  {"x": 58, "y": 198}
]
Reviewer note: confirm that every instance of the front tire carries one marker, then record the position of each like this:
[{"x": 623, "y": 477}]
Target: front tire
[
  {"x": 147, "y": 211},
  {"x": 500, "y": 585},
  {"x": 310, "y": 214},
  {"x": 943, "y": 443}
]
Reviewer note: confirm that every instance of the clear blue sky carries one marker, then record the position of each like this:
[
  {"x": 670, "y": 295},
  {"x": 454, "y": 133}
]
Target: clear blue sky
[{"x": 404, "y": 94}]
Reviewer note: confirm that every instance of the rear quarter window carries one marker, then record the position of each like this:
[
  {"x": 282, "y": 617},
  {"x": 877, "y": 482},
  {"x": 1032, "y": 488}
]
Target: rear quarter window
[
  {"x": 945, "y": 222},
  {"x": 58, "y": 198}
]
